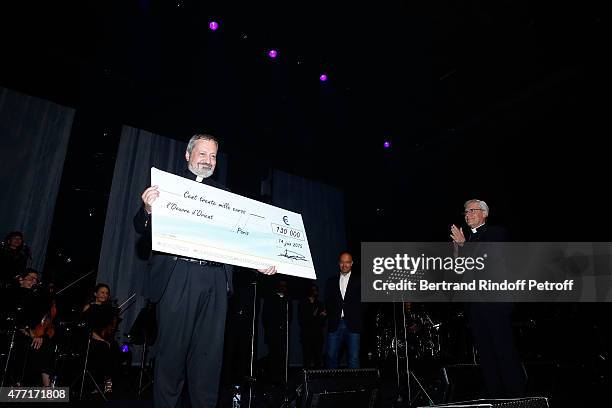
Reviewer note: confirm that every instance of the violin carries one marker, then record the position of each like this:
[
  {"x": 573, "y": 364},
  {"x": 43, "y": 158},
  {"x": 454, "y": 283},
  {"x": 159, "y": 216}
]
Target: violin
[
  {"x": 108, "y": 332},
  {"x": 46, "y": 327},
  {"x": 111, "y": 328}
]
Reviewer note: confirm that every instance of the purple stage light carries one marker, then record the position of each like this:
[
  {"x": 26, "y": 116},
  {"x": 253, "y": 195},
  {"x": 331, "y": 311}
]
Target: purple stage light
[
  {"x": 272, "y": 53},
  {"x": 387, "y": 144},
  {"x": 213, "y": 25},
  {"x": 323, "y": 78},
  {"x": 125, "y": 348}
]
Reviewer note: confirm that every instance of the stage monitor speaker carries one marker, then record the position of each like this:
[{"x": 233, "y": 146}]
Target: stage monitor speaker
[
  {"x": 354, "y": 388},
  {"x": 462, "y": 382},
  {"x": 541, "y": 378},
  {"x": 530, "y": 402}
]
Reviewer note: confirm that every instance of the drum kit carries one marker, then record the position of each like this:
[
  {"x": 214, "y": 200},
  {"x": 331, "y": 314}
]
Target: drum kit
[
  {"x": 418, "y": 338},
  {"x": 412, "y": 333},
  {"x": 423, "y": 332}
]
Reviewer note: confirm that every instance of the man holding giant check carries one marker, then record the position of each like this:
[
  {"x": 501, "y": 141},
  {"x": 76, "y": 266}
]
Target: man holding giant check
[{"x": 198, "y": 230}]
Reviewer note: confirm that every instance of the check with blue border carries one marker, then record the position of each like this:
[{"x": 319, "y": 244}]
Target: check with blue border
[{"x": 195, "y": 220}]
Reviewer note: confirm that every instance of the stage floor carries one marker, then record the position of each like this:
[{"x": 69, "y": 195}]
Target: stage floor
[{"x": 564, "y": 386}]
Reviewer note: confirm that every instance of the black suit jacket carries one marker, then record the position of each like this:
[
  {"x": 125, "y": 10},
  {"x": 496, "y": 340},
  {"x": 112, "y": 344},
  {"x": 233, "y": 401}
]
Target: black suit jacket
[
  {"x": 477, "y": 245},
  {"x": 487, "y": 233},
  {"x": 334, "y": 304},
  {"x": 161, "y": 265}
]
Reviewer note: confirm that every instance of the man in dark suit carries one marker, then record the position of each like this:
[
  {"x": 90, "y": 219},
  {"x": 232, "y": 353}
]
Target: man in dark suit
[
  {"x": 343, "y": 305},
  {"x": 491, "y": 323},
  {"x": 191, "y": 297}
]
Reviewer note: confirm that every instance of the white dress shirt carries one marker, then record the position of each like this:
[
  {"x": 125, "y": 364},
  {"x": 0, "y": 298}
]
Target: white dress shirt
[{"x": 344, "y": 280}]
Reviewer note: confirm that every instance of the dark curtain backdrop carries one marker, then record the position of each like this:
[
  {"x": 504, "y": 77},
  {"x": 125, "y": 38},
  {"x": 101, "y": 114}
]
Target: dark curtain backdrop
[
  {"x": 34, "y": 136},
  {"x": 119, "y": 265},
  {"x": 322, "y": 209}
]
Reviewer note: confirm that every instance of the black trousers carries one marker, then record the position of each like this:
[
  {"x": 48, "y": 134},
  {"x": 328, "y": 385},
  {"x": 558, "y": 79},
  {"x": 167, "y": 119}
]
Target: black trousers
[
  {"x": 189, "y": 347},
  {"x": 28, "y": 364},
  {"x": 103, "y": 360},
  {"x": 494, "y": 341}
]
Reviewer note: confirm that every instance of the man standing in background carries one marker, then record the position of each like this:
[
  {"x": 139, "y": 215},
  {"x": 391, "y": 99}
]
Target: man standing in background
[{"x": 343, "y": 305}]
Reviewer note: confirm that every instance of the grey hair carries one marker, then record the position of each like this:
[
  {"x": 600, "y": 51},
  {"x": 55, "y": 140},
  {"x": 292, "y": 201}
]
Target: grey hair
[
  {"x": 483, "y": 206},
  {"x": 200, "y": 136}
]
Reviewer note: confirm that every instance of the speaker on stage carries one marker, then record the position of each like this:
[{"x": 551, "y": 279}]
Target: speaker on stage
[
  {"x": 354, "y": 388},
  {"x": 462, "y": 382},
  {"x": 530, "y": 402},
  {"x": 541, "y": 378}
]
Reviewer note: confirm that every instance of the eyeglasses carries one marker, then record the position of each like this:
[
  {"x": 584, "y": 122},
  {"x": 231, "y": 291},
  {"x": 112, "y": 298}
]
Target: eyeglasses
[{"x": 471, "y": 210}]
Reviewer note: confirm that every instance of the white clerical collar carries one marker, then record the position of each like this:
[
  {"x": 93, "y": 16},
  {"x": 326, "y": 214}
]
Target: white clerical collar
[
  {"x": 475, "y": 230},
  {"x": 199, "y": 179}
]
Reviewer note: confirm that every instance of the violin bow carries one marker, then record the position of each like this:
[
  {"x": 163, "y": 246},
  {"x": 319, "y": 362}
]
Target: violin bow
[
  {"x": 79, "y": 279},
  {"x": 127, "y": 300}
]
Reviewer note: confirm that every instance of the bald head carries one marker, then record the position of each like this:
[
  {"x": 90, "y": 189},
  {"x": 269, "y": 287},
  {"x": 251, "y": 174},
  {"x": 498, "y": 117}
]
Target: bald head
[{"x": 345, "y": 262}]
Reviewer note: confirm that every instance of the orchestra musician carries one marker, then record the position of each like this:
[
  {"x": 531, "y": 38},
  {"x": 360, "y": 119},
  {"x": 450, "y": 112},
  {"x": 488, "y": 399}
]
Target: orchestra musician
[
  {"x": 33, "y": 312},
  {"x": 102, "y": 318},
  {"x": 14, "y": 258}
]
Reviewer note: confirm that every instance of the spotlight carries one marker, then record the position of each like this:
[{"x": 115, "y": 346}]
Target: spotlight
[
  {"x": 125, "y": 348},
  {"x": 213, "y": 25},
  {"x": 272, "y": 53},
  {"x": 323, "y": 77},
  {"x": 387, "y": 144}
]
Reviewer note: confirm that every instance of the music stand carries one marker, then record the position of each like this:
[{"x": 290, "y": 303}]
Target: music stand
[
  {"x": 410, "y": 400},
  {"x": 251, "y": 379},
  {"x": 286, "y": 400},
  {"x": 143, "y": 333},
  {"x": 10, "y": 350},
  {"x": 86, "y": 371}
]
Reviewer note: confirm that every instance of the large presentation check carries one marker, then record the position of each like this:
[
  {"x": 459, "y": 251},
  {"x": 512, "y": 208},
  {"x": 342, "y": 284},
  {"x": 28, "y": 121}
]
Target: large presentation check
[{"x": 195, "y": 220}]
